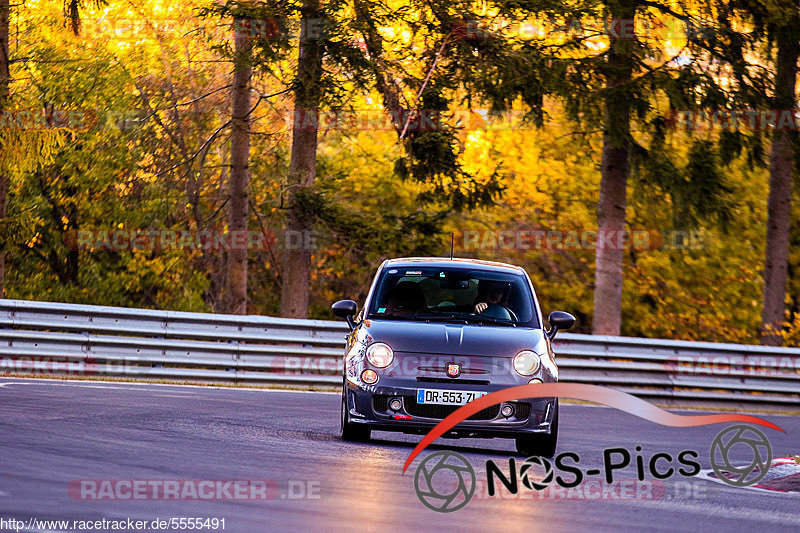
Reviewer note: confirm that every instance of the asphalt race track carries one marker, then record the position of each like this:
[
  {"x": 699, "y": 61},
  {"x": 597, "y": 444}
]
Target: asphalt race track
[{"x": 55, "y": 432}]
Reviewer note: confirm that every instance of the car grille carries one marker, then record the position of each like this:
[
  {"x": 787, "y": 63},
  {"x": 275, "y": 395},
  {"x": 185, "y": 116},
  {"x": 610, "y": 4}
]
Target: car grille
[
  {"x": 380, "y": 404},
  {"x": 522, "y": 411},
  {"x": 453, "y": 380}
]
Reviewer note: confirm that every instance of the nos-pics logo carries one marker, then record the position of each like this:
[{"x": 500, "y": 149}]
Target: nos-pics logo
[{"x": 445, "y": 481}]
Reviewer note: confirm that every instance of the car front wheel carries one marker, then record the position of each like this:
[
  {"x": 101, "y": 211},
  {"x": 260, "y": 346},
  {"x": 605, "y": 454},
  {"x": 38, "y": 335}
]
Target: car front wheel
[
  {"x": 541, "y": 445},
  {"x": 351, "y": 432}
]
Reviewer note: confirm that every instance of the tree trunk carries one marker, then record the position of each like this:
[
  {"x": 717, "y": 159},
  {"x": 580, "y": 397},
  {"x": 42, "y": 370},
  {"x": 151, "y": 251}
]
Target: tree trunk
[
  {"x": 614, "y": 172},
  {"x": 296, "y": 275},
  {"x": 781, "y": 173},
  {"x": 236, "y": 284},
  {"x": 5, "y": 12}
]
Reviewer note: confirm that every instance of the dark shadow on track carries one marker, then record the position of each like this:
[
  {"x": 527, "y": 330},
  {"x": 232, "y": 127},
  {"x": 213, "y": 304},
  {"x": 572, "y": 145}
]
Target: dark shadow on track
[{"x": 464, "y": 449}]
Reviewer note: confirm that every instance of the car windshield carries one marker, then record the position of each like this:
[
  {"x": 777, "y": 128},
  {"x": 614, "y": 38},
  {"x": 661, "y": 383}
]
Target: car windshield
[{"x": 464, "y": 295}]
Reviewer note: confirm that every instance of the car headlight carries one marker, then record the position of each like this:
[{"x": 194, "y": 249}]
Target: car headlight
[
  {"x": 380, "y": 355},
  {"x": 526, "y": 363}
]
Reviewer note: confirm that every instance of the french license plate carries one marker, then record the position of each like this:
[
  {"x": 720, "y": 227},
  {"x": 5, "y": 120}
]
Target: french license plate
[{"x": 447, "y": 397}]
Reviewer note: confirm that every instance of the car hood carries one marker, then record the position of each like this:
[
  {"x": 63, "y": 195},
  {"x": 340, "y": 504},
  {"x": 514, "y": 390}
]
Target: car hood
[{"x": 455, "y": 339}]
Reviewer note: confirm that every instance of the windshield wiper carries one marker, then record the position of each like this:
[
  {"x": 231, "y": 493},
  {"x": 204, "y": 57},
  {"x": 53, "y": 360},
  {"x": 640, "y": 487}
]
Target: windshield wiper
[
  {"x": 447, "y": 317},
  {"x": 440, "y": 317},
  {"x": 479, "y": 319},
  {"x": 389, "y": 316},
  {"x": 426, "y": 317},
  {"x": 465, "y": 319}
]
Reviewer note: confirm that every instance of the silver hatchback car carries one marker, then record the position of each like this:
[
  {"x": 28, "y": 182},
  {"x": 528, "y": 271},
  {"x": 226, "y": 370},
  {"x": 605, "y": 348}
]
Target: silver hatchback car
[{"x": 435, "y": 334}]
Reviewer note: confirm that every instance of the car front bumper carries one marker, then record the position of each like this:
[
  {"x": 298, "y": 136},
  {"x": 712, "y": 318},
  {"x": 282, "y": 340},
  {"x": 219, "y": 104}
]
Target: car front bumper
[{"x": 369, "y": 404}]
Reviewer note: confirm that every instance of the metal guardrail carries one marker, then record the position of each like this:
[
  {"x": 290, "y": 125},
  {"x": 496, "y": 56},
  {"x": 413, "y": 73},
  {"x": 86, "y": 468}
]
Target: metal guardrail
[{"x": 44, "y": 338}]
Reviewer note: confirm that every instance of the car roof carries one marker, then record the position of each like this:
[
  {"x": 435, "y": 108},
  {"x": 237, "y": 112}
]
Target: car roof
[{"x": 445, "y": 262}]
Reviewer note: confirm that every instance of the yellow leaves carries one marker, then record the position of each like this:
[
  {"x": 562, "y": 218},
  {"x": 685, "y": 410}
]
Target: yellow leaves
[
  {"x": 476, "y": 152},
  {"x": 26, "y": 150},
  {"x": 33, "y": 241}
]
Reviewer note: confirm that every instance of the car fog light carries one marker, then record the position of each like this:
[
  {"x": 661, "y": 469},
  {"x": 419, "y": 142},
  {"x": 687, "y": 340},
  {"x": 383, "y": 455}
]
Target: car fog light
[
  {"x": 369, "y": 376},
  {"x": 507, "y": 411},
  {"x": 534, "y": 381},
  {"x": 395, "y": 404}
]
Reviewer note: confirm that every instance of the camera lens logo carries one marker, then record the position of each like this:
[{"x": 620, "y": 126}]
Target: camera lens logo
[
  {"x": 739, "y": 436},
  {"x": 444, "y": 482},
  {"x": 541, "y": 482}
]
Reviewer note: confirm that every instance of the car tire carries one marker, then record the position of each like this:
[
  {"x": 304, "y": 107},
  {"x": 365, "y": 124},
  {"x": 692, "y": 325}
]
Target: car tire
[
  {"x": 541, "y": 445},
  {"x": 351, "y": 432}
]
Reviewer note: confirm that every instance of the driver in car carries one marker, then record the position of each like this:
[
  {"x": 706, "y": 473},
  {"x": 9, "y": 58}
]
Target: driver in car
[{"x": 490, "y": 293}]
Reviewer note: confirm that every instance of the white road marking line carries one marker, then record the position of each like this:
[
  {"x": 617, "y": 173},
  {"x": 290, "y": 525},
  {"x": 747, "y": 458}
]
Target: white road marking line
[
  {"x": 714, "y": 509},
  {"x": 117, "y": 385}
]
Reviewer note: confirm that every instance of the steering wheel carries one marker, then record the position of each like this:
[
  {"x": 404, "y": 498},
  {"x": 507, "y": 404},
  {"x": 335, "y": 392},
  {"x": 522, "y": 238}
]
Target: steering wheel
[{"x": 499, "y": 311}]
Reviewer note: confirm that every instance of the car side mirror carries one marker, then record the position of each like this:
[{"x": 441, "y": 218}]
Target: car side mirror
[
  {"x": 559, "y": 320},
  {"x": 346, "y": 309}
]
